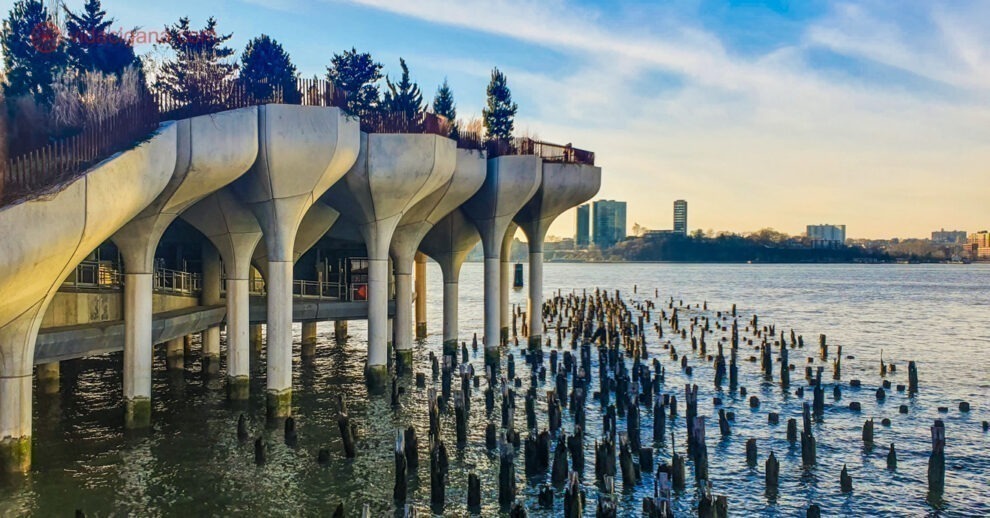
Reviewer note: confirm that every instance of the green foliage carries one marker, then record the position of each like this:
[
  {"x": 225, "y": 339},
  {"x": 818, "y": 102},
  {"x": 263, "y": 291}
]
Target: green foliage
[
  {"x": 199, "y": 72},
  {"x": 403, "y": 97},
  {"x": 265, "y": 65},
  {"x": 32, "y": 55},
  {"x": 91, "y": 47},
  {"x": 357, "y": 75},
  {"x": 443, "y": 105},
  {"x": 500, "y": 113}
]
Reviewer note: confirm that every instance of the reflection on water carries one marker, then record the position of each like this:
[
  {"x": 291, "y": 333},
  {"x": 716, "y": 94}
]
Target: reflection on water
[{"x": 191, "y": 462}]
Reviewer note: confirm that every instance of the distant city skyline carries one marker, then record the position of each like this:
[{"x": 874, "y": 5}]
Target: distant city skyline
[{"x": 876, "y": 114}]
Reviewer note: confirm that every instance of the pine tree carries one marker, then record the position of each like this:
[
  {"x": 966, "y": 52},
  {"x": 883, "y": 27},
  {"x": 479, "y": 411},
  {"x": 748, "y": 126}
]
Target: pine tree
[
  {"x": 443, "y": 105},
  {"x": 33, "y": 56},
  {"x": 500, "y": 112},
  {"x": 199, "y": 74},
  {"x": 265, "y": 65},
  {"x": 403, "y": 97},
  {"x": 357, "y": 76},
  {"x": 91, "y": 47}
]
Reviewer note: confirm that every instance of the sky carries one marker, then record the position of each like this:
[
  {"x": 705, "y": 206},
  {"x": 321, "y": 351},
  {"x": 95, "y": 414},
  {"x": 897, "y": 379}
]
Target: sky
[{"x": 872, "y": 114}]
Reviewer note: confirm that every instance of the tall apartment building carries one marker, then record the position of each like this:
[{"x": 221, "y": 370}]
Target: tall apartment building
[
  {"x": 609, "y": 218},
  {"x": 583, "y": 236},
  {"x": 827, "y": 236},
  {"x": 949, "y": 237},
  {"x": 680, "y": 217},
  {"x": 978, "y": 246}
]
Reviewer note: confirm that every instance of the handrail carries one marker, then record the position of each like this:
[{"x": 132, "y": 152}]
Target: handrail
[
  {"x": 400, "y": 122},
  {"x": 174, "y": 281},
  {"x": 547, "y": 151}
]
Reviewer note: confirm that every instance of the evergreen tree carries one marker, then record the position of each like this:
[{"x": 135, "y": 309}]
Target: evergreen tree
[
  {"x": 500, "y": 112},
  {"x": 91, "y": 47},
  {"x": 32, "y": 54},
  {"x": 199, "y": 74},
  {"x": 357, "y": 76},
  {"x": 443, "y": 105},
  {"x": 403, "y": 97},
  {"x": 265, "y": 65}
]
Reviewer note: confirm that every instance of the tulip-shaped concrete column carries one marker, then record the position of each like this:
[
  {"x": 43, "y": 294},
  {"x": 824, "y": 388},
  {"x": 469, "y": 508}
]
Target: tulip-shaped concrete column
[
  {"x": 449, "y": 243},
  {"x": 302, "y": 151},
  {"x": 393, "y": 173},
  {"x": 511, "y": 181},
  {"x": 234, "y": 231},
  {"x": 468, "y": 176},
  {"x": 420, "y": 282},
  {"x": 506, "y": 280},
  {"x": 212, "y": 151},
  {"x": 564, "y": 186},
  {"x": 43, "y": 242}
]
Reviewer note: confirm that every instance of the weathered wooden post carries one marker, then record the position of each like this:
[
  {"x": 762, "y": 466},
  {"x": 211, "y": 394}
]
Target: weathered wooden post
[
  {"x": 892, "y": 458},
  {"x": 259, "y": 451},
  {"x": 772, "y": 475},
  {"x": 474, "y": 493},
  {"x": 506, "y": 475},
  {"x": 242, "y": 431},
  {"x": 936, "y": 462},
  {"x": 401, "y": 482},
  {"x": 868, "y": 434},
  {"x": 751, "y": 452},
  {"x": 845, "y": 481},
  {"x": 912, "y": 377}
]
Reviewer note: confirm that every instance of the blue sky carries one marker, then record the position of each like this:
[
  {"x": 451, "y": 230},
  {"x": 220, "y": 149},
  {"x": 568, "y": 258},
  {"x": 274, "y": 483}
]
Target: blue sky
[{"x": 875, "y": 114}]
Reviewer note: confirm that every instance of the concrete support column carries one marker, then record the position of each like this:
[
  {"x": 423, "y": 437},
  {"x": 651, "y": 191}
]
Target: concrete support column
[
  {"x": 238, "y": 331},
  {"x": 506, "y": 279},
  {"x": 257, "y": 337},
  {"x": 493, "y": 322},
  {"x": 137, "y": 349},
  {"x": 48, "y": 378},
  {"x": 15, "y": 419},
  {"x": 420, "y": 295},
  {"x": 211, "y": 297},
  {"x": 175, "y": 353},
  {"x": 279, "y": 284},
  {"x": 308, "y": 339},
  {"x": 535, "y": 301},
  {"x": 450, "y": 323},
  {"x": 340, "y": 330},
  {"x": 377, "y": 368},
  {"x": 403, "y": 319}
]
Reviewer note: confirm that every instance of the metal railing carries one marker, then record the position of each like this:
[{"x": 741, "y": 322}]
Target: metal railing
[
  {"x": 401, "y": 122},
  {"x": 318, "y": 290},
  {"x": 549, "y": 152},
  {"x": 174, "y": 281},
  {"x": 94, "y": 275}
]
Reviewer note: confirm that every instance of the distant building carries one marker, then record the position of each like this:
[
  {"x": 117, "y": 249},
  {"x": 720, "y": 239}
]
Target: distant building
[
  {"x": 949, "y": 237},
  {"x": 583, "y": 237},
  {"x": 827, "y": 236},
  {"x": 978, "y": 246},
  {"x": 680, "y": 217},
  {"x": 609, "y": 217}
]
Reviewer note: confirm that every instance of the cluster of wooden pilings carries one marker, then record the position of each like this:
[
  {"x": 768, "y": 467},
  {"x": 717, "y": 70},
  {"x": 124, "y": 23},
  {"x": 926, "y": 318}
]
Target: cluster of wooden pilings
[{"x": 628, "y": 381}]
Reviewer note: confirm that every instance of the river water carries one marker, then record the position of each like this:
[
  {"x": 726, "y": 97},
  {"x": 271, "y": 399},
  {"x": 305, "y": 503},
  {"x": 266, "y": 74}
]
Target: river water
[{"x": 191, "y": 463}]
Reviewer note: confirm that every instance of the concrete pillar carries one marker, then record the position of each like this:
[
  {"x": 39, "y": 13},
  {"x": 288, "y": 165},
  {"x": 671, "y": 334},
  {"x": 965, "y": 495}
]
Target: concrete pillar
[
  {"x": 211, "y": 297},
  {"x": 175, "y": 353},
  {"x": 15, "y": 389},
  {"x": 238, "y": 329},
  {"x": 420, "y": 295},
  {"x": 403, "y": 319},
  {"x": 340, "y": 330},
  {"x": 48, "y": 377},
  {"x": 535, "y": 302},
  {"x": 504, "y": 282},
  {"x": 377, "y": 367},
  {"x": 137, "y": 349},
  {"x": 510, "y": 182},
  {"x": 257, "y": 335},
  {"x": 308, "y": 339},
  {"x": 279, "y": 338},
  {"x": 450, "y": 318}
]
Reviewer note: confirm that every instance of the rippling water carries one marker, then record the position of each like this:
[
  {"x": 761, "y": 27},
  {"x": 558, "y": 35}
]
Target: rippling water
[{"x": 191, "y": 462}]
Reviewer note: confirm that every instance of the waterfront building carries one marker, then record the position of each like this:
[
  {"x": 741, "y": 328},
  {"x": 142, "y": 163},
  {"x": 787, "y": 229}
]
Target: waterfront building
[
  {"x": 826, "y": 235},
  {"x": 949, "y": 237},
  {"x": 680, "y": 216},
  {"x": 610, "y": 222},
  {"x": 583, "y": 237},
  {"x": 978, "y": 246}
]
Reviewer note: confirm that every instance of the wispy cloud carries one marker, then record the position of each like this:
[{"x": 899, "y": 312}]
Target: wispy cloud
[{"x": 770, "y": 139}]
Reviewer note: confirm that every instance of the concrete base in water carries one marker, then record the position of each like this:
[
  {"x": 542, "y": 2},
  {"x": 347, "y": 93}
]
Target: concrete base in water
[
  {"x": 404, "y": 361},
  {"x": 211, "y": 364},
  {"x": 492, "y": 358},
  {"x": 238, "y": 388},
  {"x": 257, "y": 337},
  {"x": 340, "y": 330},
  {"x": 175, "y": 354},
  {"x": 279, "y": 403},
  {"x": 535, "y": 342},
  {"x": 377, "y": 377},
  {"x": 308, "y": 339},
  {"x": 449, "y": 347},
  {"x": 421, "y": 330},
  {"x": 137, "y": 413},
  {"x": 48, "y": 378},
  {"x": 15, "y": 454},
  {"x": 504, "y": 336}
]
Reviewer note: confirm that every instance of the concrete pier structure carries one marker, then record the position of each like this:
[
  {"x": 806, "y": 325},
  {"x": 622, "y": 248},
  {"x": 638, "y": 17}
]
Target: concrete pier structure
[
  {"x": 302, "y": 151},
  {"x": 392, "y": 174},
  {"x": 469, "y": 174},
  {"x": 563, "y": 186},
  {"x": 73, "y": 222},
  {"x": 210, "y": 296},
  {"x": 212, "y": 151},
  {"x": 505, "y": 280},
  {"x": 235, "y": 233},
  {"x": 510, "y": 182},
  {"x": 449, "y": 243}
]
